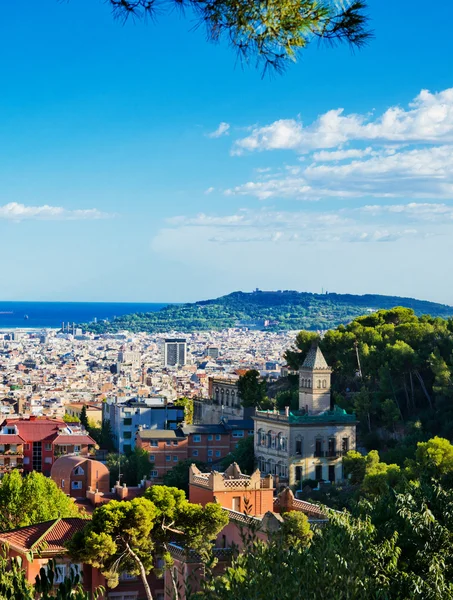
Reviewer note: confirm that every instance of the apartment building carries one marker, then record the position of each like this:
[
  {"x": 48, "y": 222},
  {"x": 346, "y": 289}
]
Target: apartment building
[
  {"x": 128, "y": 415},
  {"x": 43, "y": 441}
]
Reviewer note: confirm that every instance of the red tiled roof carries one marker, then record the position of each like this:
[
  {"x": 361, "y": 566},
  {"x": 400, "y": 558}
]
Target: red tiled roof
[
  {"x": 49, "y": 537},
  {"x": 11, "y": 439},
  {"x": 36, "y": 430}
]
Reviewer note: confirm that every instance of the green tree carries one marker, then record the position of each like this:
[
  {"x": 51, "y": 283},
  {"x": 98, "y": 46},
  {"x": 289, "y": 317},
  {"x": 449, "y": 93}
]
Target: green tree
[
  {"x": 117, "y": 539},
  {"x": 187, "y": 403},
  {"x": 32, "y": 499},
  {"x": 354, "y": 465},
  {"x": 178, "y": 477},
  {"x": 252, "y": 389},
  {"x": 84, "y": 417},
  {"x": 106, "y": 439},
  {"x": 434, "y": 457},
  {"x": 193, "y": 526},
  {"x": 296, "y": 529},
  {"x": 243, "y": 455},
  {"x": 272, "y": 32},
  {"x": 70, "y": 418}
]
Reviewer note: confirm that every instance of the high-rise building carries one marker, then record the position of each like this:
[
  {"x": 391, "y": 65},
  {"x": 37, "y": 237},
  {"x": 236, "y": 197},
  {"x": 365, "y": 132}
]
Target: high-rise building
[
  {"x": 212, "y": 352},
  {"x": 174, "y": 352}
]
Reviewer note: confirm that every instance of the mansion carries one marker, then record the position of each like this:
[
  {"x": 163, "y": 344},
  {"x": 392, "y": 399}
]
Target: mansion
[{"x": 308, "y": 443}]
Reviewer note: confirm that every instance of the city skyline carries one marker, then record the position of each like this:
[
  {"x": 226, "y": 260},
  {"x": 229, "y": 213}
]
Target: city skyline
[{"x": 137, "y": 170}]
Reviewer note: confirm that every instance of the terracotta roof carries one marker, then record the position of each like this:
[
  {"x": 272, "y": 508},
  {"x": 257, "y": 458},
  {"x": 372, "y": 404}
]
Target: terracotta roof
[
  {"x": 11, "y": 439},
  {"x": 49, "y": 537},
  {"x": 36, "y": 430},
  {"x": 315, "y": 359}
]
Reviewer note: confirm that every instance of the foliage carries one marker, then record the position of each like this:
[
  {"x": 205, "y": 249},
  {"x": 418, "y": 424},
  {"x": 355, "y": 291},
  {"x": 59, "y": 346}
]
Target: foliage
[
  {"x": 285, "y": 310},
  {"x": 178, "y": 477},
  {"x": 106, "y": 437},
  {"x": 345, "y": 560},
  {"x": 134, "y": 467},
  {"x": 84, "y": 417},
  {"x": 243, "y": 455},
  {"x": 118, "y": 539},
  {"x": 187, "y": 403},
  {"x": 251, "y": 389},
  {"x": 434, "y": 458},
  {"x": 32, "y": 499},
  {"x": 295, "y": 529},
  {"x": 272, "y": 32},
  {"x": 70, "y": 418}
]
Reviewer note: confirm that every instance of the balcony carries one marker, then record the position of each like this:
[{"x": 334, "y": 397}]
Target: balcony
[{"x": 329, "y": 453}]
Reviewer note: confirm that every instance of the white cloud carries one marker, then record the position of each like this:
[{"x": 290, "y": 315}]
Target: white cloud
[
  {"x": 410, "y": 173},
  {"x": 428, "y": 119},
  {"x": 15, "y": 211},
  {"x": 222, "y": 129},
  {"x": 326, "y": 156},
  {"x": 209, "y": 190}
]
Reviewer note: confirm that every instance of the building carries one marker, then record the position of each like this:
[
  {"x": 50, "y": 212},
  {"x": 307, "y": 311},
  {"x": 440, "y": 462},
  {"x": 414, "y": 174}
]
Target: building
[
  {"x": 74, "y": 475},
  {"x": 94, "y": 411},
  {"x": 11, "y": 453},
  {"x": 213, "y": 352},
  {"x": 204, "y": 443},
  {"x": 174, "y": 352},
  {"x": 308, "y": 443},
  {"x": 37, "y": 544},
  {"x": 43, "y": 441},
  {"x": 224, "y": 402},
  {"x": 127, "y": 415}
]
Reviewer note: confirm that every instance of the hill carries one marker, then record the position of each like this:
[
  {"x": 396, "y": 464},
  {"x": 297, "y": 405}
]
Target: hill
[{"x": 271, "y": 310}]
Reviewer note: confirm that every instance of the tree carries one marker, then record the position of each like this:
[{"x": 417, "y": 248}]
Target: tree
[
  {"x": 354, "y": 465},
  {"x": 178, "y": 477},
  {"x": 106, "y": 439},
  {"x": 134, "y": 467},
  {"x": 271, "y": 32},
  {"x": 118, "y": 539},
  {"x": 32, "y": 499},
  {"x": 434, "y": 457},
  {"x": 187, "y": 403},
  {"x": 243, "y": 455},
  {"x": 70, "y": 418},
  {"x": 296, "y": 529},
  {"x": 193, "y": 526},
  {"x": 84, "y": 417},
  {"x": 251, "y": 389}
]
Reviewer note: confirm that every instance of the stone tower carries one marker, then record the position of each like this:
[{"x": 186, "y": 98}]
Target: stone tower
[{"x": 314, "y": 382}]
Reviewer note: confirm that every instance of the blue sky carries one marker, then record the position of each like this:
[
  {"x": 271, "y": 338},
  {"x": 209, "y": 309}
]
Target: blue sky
[{"x": 141, "y": 163}]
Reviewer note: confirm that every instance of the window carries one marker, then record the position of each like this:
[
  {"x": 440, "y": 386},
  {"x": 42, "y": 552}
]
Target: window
[
  {"x": 175, "y": 443},
  {"x": 152, "y": 457},
  {"x": 209, "y": 459},
  {"x": 210, "y": 453},
  {"x": 153, "y": 443},
  {"x": 76, "y": 448},
  {"x": 210, "y": 437},
  {"x": 60, "y": 573},
  {"x": 168, "y": 458},
  {"x": 128, "y": 435},
  {"x": 76, "y": 569},
  {"x": 299, "y": 447},
  {"x": 154, "y": 473},
  {"x": 194, "y": 452},
  {"x": 48, "y": 460},
  {"x": 168, "y": 443},
  {"x": 236, "y": 503},
  {"x": 175, "y": 459},
  {"x": 76, "y": 485},
  {"x": 332, "y": 444},
  {"x": 127, "y": 448},
  {"x": 197, "y": 438},
  {"x": 217, "y": 453},
  {"x": 62, "y": 484},
  {"x": 218, "y": 437},
  {"x": 318, "y": 473},
  {"x": 332, "y": 473},
  {"x": 318, "y": 447},
  {"x": 345, "y": 444},
  {"x": 251, "y": 432},
  {"x": 48, "y": 447},
  {"x": 238, "y": 434},
  {"x": 127, "y": 421},
  {"x": 127, "y": 576},
  {"x": 324, "y": 383}
]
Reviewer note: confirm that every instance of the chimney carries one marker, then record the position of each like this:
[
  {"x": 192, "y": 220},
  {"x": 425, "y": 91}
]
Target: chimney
[{"x": 286, "y": 411}]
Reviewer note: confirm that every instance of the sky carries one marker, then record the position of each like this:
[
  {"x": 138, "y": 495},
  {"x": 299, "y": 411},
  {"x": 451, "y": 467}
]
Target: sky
[{"x": 140, "y": 162}]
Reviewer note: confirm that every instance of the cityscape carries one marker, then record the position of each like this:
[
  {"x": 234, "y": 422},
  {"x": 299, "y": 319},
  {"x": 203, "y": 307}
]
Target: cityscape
[{"x": 226, "y": 311}]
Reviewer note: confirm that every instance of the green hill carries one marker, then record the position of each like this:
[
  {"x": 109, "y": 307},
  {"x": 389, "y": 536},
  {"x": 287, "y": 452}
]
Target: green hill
[{"x": 271, "y": 310}]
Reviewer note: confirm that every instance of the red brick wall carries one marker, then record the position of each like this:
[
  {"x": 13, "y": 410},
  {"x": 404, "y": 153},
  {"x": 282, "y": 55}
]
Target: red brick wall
[{"x": 161, "y": 451}]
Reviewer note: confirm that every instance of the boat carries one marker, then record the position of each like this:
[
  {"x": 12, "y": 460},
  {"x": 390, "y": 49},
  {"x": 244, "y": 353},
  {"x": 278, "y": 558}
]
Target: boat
[{"x": 26, "y": 317}]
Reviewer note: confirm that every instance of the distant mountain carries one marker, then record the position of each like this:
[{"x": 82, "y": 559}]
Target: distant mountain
[{"x": 265, "y": 310}]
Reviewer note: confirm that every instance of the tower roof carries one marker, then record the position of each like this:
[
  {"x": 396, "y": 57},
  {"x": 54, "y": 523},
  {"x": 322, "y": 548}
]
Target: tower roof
[{"x": 315, "y": 359}]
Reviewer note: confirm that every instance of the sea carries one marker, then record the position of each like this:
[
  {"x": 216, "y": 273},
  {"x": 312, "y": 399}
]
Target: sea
[{"x": 51, "y": 315}]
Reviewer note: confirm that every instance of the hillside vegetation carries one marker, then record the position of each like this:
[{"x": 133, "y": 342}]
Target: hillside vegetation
[{"x": 283, "y": 309}]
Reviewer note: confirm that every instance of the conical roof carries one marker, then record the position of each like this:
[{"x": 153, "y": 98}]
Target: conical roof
[{"x": 315, "y": 359}]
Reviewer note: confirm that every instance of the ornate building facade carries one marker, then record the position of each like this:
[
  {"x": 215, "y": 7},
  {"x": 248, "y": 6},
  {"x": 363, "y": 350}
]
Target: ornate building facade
[{"x": 308, "y": 443}]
